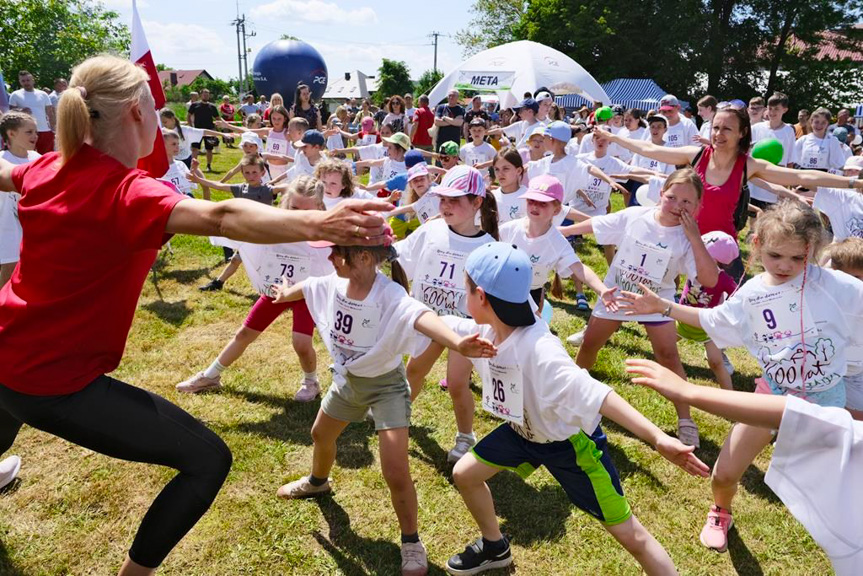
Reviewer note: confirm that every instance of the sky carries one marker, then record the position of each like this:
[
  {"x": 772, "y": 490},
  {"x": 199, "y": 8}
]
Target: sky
[{"x": 349, "y": 34}]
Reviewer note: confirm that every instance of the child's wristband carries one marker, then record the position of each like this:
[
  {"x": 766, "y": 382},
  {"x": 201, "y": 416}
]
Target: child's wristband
[{"x": 667, "y": 312}]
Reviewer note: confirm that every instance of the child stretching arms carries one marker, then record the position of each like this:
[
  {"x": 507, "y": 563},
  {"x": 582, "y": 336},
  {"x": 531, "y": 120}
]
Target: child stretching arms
[
  {"x": 367, "y": 323},
  {"x": 553, "y": 409},
  {"x": 266, "y": 265},
  {"x": 796, "y": 318}
]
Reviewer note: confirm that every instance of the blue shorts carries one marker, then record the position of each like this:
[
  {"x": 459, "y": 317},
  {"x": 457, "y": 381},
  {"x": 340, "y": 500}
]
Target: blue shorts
[
  {"x": 834, "y": 396},
  {"x": 580, "y": 464}
]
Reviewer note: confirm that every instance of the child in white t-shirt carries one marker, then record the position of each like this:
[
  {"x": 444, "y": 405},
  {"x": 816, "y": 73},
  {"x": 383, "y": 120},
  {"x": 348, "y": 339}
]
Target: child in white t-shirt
[
  {"x": 548, "y": 250},
  {"x": 177, "y": 173},
  {"x": 509, "y": 172},
  {"x": 339, "y": 183},
  {"x": 775, "y": 128},
  {"x": 18, "y": 131},
  {"x": 843, "y": 206},
  {"x": 655, "y": 245},
  {"x": 368, "y": 323},
  {"x": 188, "y": 134},
  {"x": 819, "y": 150},
  {"x": 278, "y": 152},
  {"x": 266, "y": 266},
  {"x": 657, "y": 126},
  {"x": 369, "y": 153},
  {"x": 418, "y": 202},
  {"x": 552, "y": 410},
  {"x": 433, "y": 260},
  {"x": 817, "y": 463},
  {"x": 797, "y": 319},
  {"x": 478, "y": 153}
]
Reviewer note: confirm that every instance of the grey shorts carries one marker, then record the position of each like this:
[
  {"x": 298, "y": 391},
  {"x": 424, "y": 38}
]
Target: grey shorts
[{"x": 388, "y": 396}]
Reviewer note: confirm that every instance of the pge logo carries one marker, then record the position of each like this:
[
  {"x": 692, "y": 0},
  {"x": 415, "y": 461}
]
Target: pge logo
[{"x": 319, "y": 80}]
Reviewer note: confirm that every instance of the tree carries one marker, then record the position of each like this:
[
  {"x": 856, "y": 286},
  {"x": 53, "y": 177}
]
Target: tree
[
  {"x": 49, "y": 37},
  {"x": 393, "y": 78},
  {"x": 426, "y": 82},
  {"x": 494, "y": 22}
]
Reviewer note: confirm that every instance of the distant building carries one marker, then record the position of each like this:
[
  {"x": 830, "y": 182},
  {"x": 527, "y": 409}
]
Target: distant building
[
  {"x": 353, "y": 85},
  {"x": 180, "y": 78}
]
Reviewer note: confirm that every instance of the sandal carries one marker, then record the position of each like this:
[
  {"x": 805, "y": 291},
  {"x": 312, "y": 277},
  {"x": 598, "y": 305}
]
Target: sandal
[{"x": 581, "y": 302}]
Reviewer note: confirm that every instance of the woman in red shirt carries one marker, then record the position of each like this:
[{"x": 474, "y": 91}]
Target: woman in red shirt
[
  {"x": 89, "y": 196},
  {"x": 721, "y": 170}
]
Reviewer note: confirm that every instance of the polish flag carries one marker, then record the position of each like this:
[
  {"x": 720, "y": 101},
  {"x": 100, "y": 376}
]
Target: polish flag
[{"x": 156, "y": 164}]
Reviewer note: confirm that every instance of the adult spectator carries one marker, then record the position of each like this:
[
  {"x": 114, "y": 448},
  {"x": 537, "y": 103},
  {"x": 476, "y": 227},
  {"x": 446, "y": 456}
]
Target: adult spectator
[
  {"x": 841, "y": 121},
  {"x": 304, "y": 107},
  {"x": 227, "y": 112},
  {"x": 202, "y": 114},
  {"x": 381, "y": 113},
  {"x": 409, "y": 111},
  {"x": 38, "y": 104},
  {"x": 755, "y": 110},
  {"x": 449, "y": 119},
  {"x": 106, "y": 123},
  {"x": 802, "y": 128},
  {"x": 262, "y": 102},
  {"x": 275, "y": 101},
  {"x": 249, "y": 107},
  {"x": 476, "y": 111},
  {"x": 396, "y": 116},
  {"x": 364, "y": 111},
  {"x": 351, "y": 107},
  {"x": 193, "y": 99},
  {"x": 423, "y": 120},
  {"x": 60, "y": 85}
]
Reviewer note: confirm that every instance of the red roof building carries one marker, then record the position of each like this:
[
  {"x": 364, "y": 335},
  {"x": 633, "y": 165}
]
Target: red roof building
[{"x": 181, "y": 77}]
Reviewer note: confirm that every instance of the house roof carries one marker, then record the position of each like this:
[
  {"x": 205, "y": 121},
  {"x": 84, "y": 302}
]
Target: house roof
[
  {"x": 184, "y": 77},
  {"x": 828, "y": 49},
  {"x": 357, "y": 85}
]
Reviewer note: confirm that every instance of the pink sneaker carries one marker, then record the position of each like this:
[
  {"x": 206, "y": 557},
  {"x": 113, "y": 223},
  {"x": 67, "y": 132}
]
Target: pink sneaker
[
  {"x": 443, "y": 384},
  {"x": 715, "y": 532},
  {"x": 309, "y": 390},
  {"x": 199, "y": 383}
]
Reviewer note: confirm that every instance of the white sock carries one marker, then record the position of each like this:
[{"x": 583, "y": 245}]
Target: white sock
[
  {"x": 214, "y": 370},
  {"x": 469, "y": 436},
  {"x": 310, "y": 376}
]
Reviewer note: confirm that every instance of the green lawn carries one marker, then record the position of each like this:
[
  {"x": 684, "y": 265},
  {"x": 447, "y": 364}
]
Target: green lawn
[{"x": 75, "y": 512}]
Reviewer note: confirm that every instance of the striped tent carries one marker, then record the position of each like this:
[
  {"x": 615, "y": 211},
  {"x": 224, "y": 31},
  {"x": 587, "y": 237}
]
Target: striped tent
[{"x": 641, "y": 93}]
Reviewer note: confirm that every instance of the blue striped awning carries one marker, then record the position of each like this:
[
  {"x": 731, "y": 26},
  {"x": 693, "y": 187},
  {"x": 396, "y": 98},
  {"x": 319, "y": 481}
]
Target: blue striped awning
[
  {"x": 859, "y": 111},
  {"x": 641, "y": 93}
]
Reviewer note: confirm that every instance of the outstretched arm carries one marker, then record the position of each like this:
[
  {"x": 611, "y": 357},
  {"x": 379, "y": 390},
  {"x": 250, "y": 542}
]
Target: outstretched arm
[
  {"x": 579, "y": 228},
  {"x": 681, "y": 155},
  {"x": 806, "y": 178},
  {"x": 6, "y": 183},
  {"x": 470, "y": 346}
]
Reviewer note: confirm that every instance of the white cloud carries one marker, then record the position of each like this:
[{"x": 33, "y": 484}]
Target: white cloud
[
  {"x": 124, "y": 4},
  {"x": 314, "y": 12}
]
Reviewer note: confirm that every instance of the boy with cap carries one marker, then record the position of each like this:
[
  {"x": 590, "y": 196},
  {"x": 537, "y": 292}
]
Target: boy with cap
[
  {"x": 478, "y": 153},
  {"x": 448, "y": 155},
  {"x": 681, "y": 130},
  {"x": 519, "y": 131},
  {"x": 552, "y": 408},
  {"x": 309, "y": 152},
  {"x": 393, "y": 162}
]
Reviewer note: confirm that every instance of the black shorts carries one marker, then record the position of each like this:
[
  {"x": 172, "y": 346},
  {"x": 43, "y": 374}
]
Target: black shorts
[
  {"x": 210, "y": 142},
  {"x": 760, "y": 203}
]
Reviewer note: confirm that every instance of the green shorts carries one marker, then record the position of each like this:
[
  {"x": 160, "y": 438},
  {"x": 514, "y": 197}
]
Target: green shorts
[
  {"x": 388, "y": 396},
  {"x": 692, "y": 333}
]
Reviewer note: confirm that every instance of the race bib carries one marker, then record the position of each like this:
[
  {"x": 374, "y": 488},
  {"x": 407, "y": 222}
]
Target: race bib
[
  {"x": 598, "y": 191},
  {"x": 781, "y": 324},
  {"x": 175, "y": 177},
  {"x": 502, "y": 392},
  {"x": 278, "y": 265},
  {"x": 427, "y": 207},
  {"x": 355, "y": 325},
  {"x": 276, "y": 146},
  {"x": 638, "y": 262},
  {"x": 815, "y": 156},
  {"x": 441, "y": 282}
]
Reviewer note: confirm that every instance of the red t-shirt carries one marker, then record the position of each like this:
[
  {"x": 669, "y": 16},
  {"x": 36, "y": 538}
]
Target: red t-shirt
[
  {"x": 92, "y": 230},
  {"x": 424, "y": 119}
]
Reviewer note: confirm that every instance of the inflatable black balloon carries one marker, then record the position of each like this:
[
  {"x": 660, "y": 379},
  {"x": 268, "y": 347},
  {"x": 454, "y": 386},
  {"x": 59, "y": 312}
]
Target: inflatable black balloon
[{"x": 283, "y": 64}]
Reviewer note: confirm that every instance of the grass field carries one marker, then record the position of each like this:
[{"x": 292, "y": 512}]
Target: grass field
[{"x": 75, "y": 512}]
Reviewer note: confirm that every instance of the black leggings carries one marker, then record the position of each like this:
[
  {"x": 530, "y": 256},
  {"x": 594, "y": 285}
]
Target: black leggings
[{"x": 121, "y": 421}]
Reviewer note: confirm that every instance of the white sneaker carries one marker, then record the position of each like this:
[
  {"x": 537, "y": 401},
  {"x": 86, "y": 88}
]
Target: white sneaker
[
  {"x": 199, "y": 383},
  {"x": 309, "y": 390},
  {"x": 302, "y": 488},
  {"x": 576, "y": 339},
  {"x": 9, "y": 470},
  {"x": 414, "y": 559},
  {"x": 463, "y": 444}
]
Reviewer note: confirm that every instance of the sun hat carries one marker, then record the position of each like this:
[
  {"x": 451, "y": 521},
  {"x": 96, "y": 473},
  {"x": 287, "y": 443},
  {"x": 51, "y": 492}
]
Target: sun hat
[
  {"x": 854, "y": 163},
  {"x": 252, "y": 138},
  {"x": 721, "y": 246},
  {"x": 528, "y": 103},
  {"x": 461, "y": 181},
  {"x": 417, "y": 170},
  {"x": 544, "y": 188},
  {"x": 504, "y": 273},
  {"x": 399, "y": 139},
  {"x": 413, "y": 157}
]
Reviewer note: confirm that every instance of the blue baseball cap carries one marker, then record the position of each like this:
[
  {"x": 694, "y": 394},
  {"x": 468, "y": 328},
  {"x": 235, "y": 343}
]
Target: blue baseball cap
[
  {"x": 312, "y": 137},
  {"x": 412, "y": 158},
  {"x": 559, "y": 130},
  {"x": 527, "y": 103},
  {"x": 504, "y": 273}
]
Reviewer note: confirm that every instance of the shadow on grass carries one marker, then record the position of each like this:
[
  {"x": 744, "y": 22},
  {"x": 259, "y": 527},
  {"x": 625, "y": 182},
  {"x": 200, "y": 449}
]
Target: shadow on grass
[
  {"x": 174, "y": 313},
  {"x": 7, "y": 568},
  {"x": 188, "y": 276},
  {"x": 430, "y": 451},
  {"x": 294, "y": 426},
  {"x": 354, "y": 554},
  {"x": 742, "y": 559},
  {"x": 530, "y": 514}
]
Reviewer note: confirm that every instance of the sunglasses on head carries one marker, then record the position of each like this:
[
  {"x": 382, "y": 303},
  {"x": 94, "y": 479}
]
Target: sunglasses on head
[{"x": 730, "y": 106}]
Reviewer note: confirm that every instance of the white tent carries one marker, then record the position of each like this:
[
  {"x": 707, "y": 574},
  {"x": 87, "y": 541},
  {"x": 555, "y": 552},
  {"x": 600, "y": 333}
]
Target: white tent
[{"x": 512, "y": 69}]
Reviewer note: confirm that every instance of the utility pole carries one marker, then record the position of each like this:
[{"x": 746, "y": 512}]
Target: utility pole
[
  {"x": 245, "y": 50},
  {"x": 435, "y": 35},
  {"x": 240, "y": 54}
]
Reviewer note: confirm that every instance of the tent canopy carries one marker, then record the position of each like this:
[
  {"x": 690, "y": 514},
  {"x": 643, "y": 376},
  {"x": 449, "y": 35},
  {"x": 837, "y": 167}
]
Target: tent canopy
[
  {"x": 641, "y": 93},
  {"x": 353, "y": 85},
  {"x": 512, "y": 69}
]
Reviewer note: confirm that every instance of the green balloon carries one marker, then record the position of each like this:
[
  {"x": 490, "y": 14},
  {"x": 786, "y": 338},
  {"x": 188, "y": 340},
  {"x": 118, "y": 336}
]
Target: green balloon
[
  {"x": 770, "y": 150},
  {"x": 604, "y": 113}
]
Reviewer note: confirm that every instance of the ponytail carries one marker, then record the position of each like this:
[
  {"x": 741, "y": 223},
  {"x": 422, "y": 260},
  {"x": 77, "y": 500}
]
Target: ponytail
[
  {"x": 398, "y": 275},
  {"x": 488, "y": 216},
  {"x": 557, "y": 287},
  {"x": 73, "y": 122}
]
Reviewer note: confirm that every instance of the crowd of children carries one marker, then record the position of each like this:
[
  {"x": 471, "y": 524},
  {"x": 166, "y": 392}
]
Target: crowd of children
[{"x": 476, "y": 233}]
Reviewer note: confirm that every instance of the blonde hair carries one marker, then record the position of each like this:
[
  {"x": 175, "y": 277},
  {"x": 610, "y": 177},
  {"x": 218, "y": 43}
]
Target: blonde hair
[
  {"x": 846, "y": 255},
  {"x": 329, "y": 165},
  {"x": 686, "y": 176},
  {"x": 305, "y": 187},
  {"x": 168, "y": 134},
  {"x": 101, "y": 90},
  {"x": 276, "y": 100},
  {"x": 790, "y": 220},
  {"x": 13, "y": 121}
]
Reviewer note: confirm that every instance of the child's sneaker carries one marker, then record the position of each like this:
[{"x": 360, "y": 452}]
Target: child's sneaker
[
  {"x": 444, "y": 385},
  {"x": 309, "y": 390},
  {"x": 715, "y": 532},
  {"x": 476, "y": 559},
  {"x": 581, "y": 302},
  {"x": 414, "y": 559},
  {"x": 576, "y": 339},
  {"x": 199, "y": 383},
  {"x": 212, "y": 286},
  {"x": 463, "y": 444},
  {"x": 9, "y": 470},
  {"x": 303, "y": 488},
  {"x": 687, "y": 432}
]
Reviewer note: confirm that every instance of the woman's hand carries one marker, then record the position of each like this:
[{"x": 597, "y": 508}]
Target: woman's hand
[
  {"x": 354, "y": 223},
  {"x": 647, "y": 303},
  {"x": 475, "y": 347}
]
